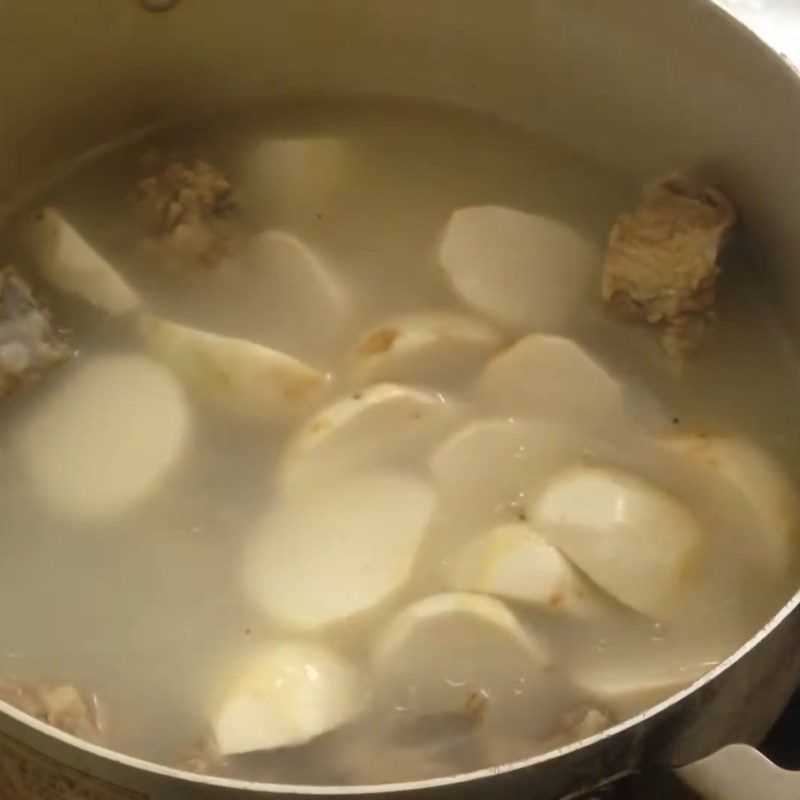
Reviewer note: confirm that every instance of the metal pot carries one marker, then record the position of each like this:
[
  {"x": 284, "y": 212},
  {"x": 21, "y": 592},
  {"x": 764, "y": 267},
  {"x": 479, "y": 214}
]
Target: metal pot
[{"x": 645, "y": 85}]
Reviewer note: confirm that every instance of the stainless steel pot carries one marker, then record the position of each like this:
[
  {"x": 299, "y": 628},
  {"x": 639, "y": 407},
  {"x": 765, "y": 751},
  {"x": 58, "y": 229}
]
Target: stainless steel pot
[{"x": 645, "y": 85}]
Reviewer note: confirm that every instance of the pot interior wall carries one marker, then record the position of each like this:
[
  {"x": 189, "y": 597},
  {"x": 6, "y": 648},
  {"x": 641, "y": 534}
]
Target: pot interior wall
[{"x": 642, "y": 83}]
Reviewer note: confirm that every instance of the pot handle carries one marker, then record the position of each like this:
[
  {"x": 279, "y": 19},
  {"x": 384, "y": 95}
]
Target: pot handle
[{"x": 739, "y": 772}]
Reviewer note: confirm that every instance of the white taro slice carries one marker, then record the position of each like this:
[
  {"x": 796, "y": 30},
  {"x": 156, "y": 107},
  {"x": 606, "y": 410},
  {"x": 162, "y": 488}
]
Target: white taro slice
[
  {"x": 378, "y": 424},
  {"x": 296, "y": 177},
  {"x": 761, "y": 481},
  {"x": 296, "y": 284},
  {"x": 513, "y": 562},
  {"x": 485, "y": 467},
  {"x": 550, "y": 375},
  {"x": 338, "y": 552},
  {"x": 246, "y": 379},
  {"x": 287, "y": 694},
  {"x": 463, "y": 653},
  {"x": 108, "y": 436},
  {"x": 522, "y": 270},
  {"x": 450, "y": 621},
  {"x": 72, "y": 265},
  {"x": 430, "y": 346},
  {"x": 632, "y": 539}
]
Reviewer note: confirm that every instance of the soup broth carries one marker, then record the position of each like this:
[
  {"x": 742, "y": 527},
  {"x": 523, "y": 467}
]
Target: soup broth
[{"x": 157, "y": 607}]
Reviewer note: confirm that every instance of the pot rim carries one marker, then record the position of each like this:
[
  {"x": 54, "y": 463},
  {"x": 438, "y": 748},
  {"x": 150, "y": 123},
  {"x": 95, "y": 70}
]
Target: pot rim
[
  {"x": 405, "y": 786},
  {"x": 782, "y": 61}
]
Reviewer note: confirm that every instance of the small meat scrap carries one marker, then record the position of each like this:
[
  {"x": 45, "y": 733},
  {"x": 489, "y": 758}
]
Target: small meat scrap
[
  {"x": 583, "y": 723},
  {"x": 29, "y": 344},
  {"x": 59, "y": 705},
  {"x": 574, "y": 725},
  {"x": 661, "y": 263},
  {"x": 203, "y": 758},
  {"x": 476, "y": 705},
  {"x": 186, "y": 211}
]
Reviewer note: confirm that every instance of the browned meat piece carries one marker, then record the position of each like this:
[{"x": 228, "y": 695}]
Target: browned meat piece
[
  {"x": 29, "y": 344},
  {"x": 186, "y": 211},
  {"x": 61, "y": 706},
  {"x": 182, "y": 195},
  {"x": 661, "y": 263}
]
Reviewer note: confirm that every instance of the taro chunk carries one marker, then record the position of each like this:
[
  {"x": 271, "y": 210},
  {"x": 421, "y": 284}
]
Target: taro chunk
[
  {"x": 381, "y": 423},
  {"x": 467, "y": 653},
  {"x": 430, "y": 346},
  {"x": 72, "y": 265},
  {"x": 487, "y": 466},
  {"x": 338, "y": 552},
  {"x": 246, "y": 379},
  {"x": 295, "y": 176},
  {"x": 553, "y": 376},
  {"x": 513, "y": 562},
  {"x": 288, "y": 694},
  {"x": 108, "y": 437},
  {"x": 762, "y": 482},
  {"x": 522, "y": 270},
  {"x": 295, "y": 284},
  {"x": 29, "y": 345},
  {"x": 632, "y": 539},
  {"x": 661, "y": 263}
]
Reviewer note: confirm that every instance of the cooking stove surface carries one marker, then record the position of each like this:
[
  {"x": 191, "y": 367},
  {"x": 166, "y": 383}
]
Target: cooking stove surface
[{"x": 782, "y": 746}]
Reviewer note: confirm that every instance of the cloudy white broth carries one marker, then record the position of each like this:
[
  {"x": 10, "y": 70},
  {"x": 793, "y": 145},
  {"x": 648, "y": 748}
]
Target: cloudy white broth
[{"x": 366, "y": 483}]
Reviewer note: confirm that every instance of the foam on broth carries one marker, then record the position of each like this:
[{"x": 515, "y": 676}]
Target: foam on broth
[{"x": 146, "y": 611}]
